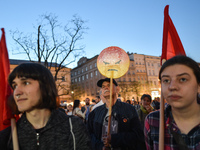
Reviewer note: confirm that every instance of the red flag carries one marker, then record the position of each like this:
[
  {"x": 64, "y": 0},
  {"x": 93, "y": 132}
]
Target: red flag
[
  {"x": 5, "y": 90},
  {"x": 171, "y": 45}
]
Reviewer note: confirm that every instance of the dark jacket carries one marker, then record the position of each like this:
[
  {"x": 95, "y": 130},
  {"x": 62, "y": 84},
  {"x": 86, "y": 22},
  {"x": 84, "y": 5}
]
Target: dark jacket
[
  {"x": 130, "y": 135},
  {"x": 61, "y": 132},
  {"x": 142, "y": 117}
]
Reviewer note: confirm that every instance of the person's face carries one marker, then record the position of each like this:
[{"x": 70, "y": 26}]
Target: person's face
[
  {"x": 145, "y": 101},
  {"x": 97, "y": 100},
  {"x": 106, "y": 89},
  {"x": 87, "y": 101},
  {"x": 70, "y": 108},
  {"x": 179, "y": 86},
  {"x": 26, "y": 93}
]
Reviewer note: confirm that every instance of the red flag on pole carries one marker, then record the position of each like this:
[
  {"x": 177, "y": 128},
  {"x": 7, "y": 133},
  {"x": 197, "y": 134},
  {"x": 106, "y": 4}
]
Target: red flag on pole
[
  {"x": 171, "y": 45},
  {"x": 5, "y": 90}
]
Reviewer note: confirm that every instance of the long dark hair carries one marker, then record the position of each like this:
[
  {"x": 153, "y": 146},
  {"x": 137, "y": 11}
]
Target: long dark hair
[
  {"x": 46, "y": 81},
  {"x": 76, "y": 103}
]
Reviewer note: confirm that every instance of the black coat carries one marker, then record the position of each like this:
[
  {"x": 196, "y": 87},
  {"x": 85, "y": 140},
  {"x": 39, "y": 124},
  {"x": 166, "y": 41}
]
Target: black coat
[
  {"x": 130, "y": 135},
  {"x": 56, "y": 135}
]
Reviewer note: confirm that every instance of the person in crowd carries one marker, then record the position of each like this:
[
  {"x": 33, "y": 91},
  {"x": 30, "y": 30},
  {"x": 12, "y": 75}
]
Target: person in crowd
[
  {"x": 145, "y": 108},
  {"x": 77, "y": 111},
  {"x": 180, "y": 86},
  {"x": 156, "y": 103},
  {"x": 101, "y": 102},
  {"x": 42, "y": 125},
  {"x": 136, "y": 105},
  {"x": 97, "y": 99},
  {"x": 87, "y": 108},
  {"x": 92, "y": 104},
  {"x": 125, "y": 130},
  {"x": 69, "y": 109},
  {"x": 128, "y": 101}
]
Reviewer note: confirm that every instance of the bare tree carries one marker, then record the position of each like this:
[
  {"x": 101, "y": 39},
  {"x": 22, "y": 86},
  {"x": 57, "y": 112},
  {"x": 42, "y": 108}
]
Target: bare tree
[
  {"x": 123, "y": 89},
  {"x": 76, "y": 91},
  {"x": 129, "y": 87},
  {"x": 55, "y": 49},
  {"x": 136, "y": 88}
]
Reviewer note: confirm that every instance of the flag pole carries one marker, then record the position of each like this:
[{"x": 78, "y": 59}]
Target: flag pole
[
  {"x": 4, "y": 72},
  {"x": 161, "y": 127},
  {"x": 14, "y": 134}
]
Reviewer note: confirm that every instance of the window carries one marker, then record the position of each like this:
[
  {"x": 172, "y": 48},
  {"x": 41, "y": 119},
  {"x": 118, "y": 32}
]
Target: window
[
  {"x": 86, "y": 76},
  {"x": 76, "y": 80},
  {"x": 85, "y": 68},
  {"x": 95, "y": 65},
  {"x": 130, "y": 79},
  {"x": 79, "y": 79},
  {"x": 82, "y": 70},
  {"x": 75, "y": 73},
  {"x": 90, "y": 66},
  {"x": 82, "y": 78},
  {"x": 96, "y": 73},
  {"x": 153, "y": 72},
  {"x": 91, "y": 74},
  {"x": 149, "y": 72}
]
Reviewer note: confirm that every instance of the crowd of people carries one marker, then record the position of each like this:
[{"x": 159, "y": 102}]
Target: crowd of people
[{"x": 106, "y": 124}]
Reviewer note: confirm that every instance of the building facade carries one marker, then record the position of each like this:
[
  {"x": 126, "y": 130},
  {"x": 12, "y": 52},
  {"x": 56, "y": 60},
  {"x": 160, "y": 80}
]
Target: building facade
[{"x": 142, "y": 77}]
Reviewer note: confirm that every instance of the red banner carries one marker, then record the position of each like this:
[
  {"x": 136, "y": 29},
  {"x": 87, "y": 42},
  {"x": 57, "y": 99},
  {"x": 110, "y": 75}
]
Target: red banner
[
  {"x": 5, "y": 90},
  {"x": 171, "y": 45}
]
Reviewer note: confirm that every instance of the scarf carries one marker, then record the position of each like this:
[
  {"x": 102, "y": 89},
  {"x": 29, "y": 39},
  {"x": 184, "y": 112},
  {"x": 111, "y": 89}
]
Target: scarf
[{"x": 144, "y": 110}]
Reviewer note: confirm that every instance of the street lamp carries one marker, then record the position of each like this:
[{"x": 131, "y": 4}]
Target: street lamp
[{"x": 72, "y": 95}]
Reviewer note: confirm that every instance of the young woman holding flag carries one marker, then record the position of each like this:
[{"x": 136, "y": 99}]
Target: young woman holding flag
[
  {"x": 180, "y": 86},
  {"x": 42, "y": 125}
]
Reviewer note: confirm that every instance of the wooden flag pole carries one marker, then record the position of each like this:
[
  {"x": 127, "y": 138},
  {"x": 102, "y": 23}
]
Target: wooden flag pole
[
  {"x": 14, "y": 134},
  {"x": 110, "y": 107},
  {"x": 162, "y": 125}
]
